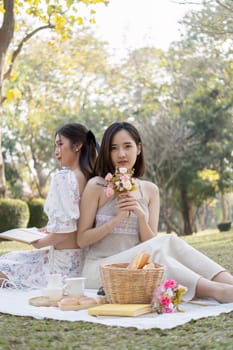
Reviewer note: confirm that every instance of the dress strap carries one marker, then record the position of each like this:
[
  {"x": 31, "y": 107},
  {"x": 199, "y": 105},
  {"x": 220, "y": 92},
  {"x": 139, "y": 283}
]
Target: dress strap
[{"x": 139, "y": 187}]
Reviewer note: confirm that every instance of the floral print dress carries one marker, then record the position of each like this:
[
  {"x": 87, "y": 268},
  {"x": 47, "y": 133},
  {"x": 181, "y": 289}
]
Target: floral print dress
[{"x": 29, "y": 269}]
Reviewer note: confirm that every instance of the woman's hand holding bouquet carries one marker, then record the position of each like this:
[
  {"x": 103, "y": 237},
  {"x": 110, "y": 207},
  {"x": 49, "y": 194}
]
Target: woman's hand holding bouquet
[{"x": 121, "y": 183}]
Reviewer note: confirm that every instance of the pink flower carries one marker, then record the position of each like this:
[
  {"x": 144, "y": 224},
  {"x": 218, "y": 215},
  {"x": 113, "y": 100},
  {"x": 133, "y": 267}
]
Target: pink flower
[
  {"x": 169, "y": 284},
  {"x": 167, "y": 310},
  {"x": 125, "y": 178},
  {"x": 108, "y": 177},
  {"x": 109, "y": 191},
  {"x": 165, "y": 300}
]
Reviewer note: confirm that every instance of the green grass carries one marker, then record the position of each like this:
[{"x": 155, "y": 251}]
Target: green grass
[{"x": 209, "y": 333}]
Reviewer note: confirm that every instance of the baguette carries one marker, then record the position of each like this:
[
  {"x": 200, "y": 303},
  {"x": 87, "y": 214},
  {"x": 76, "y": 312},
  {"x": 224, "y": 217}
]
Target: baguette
[
  {"x": 149, "y": 266},
  {"x": 139, "y": 261}
]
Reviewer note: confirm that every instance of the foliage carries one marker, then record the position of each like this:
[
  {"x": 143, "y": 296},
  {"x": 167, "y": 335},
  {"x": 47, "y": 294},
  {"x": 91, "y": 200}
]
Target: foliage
[
  {"x": 37, "y": 216},
  {"x": 46, "y": 104},
  {"x": 213, "y": 20},
  {"x": 224, "y": 226},
  {"x": 191, "y": 130},
  {"x": 37, "y": 15},
  {"x": 181, "y": 100},
  {"x": 13, "y": 213}
]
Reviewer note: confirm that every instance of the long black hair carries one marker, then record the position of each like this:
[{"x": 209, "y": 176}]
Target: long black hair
[
  {"x": 78, "y": 134},
  {"x": 104, "y": 162}
]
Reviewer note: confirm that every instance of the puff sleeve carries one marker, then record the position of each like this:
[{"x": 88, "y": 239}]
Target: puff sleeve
[{"x": 62, "y": 202}]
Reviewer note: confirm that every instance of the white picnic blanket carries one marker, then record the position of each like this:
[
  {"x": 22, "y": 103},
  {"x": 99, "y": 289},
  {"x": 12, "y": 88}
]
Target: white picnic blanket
[{"x": 15, "y": 302}]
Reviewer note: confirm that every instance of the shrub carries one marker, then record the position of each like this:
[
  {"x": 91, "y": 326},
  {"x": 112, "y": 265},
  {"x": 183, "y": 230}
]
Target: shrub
[
  {"x": 37, "y": 216},
  {"x": 14, "y": 213},
  {"x": 224, "y": 226}
]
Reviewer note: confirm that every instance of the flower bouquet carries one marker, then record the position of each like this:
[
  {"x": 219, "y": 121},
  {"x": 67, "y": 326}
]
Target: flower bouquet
[
  {"x": 168, "y": 297},
  {"x": 120, "y": 182}
]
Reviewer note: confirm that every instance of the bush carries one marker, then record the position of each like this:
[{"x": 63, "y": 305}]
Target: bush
[
  {"x": 14, "y": 213},
  {"x": 224, "y": 226},
  {"x": 37, "y": 216}
]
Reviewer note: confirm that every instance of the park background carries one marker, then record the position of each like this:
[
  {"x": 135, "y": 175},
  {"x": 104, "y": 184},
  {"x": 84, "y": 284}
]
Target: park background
[{"x": 59, "y": 68}]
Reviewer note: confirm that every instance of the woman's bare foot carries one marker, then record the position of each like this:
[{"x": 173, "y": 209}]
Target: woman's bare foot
[
  {"x": 221, "y": 292},
  {"x": 223, "y": 277}
]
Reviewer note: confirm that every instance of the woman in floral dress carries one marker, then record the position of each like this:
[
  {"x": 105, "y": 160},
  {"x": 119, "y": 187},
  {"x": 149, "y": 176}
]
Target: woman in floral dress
[{"x": 75, "y": 150}]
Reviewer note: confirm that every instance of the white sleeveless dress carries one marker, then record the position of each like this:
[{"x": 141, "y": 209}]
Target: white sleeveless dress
[
  {"x": 29, "y": 269},
  {"x": 183, "y": 263}
]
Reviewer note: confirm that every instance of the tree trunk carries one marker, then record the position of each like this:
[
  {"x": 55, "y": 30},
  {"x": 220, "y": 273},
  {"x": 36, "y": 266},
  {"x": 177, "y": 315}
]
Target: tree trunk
[
  {"x": 6, "y": 35},
  {"x": 2, "y": 170},
  {"x": 224, "y": 207},
  {"x": 186, "y": 213}
]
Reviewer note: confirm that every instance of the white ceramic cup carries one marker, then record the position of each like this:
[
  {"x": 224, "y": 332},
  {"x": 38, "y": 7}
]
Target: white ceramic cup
[
  {"x": 53, "y": 293},
  {"x": 74, "y": 286}
]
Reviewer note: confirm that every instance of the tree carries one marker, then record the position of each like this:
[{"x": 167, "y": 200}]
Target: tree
[
  {"x": 213, "y": 19},
  {"x": 53, "y": 93},
  {"x": 167, "y": 143},
  {"x": 189, "y": 117},
  {"x": 59, "y": 16}
]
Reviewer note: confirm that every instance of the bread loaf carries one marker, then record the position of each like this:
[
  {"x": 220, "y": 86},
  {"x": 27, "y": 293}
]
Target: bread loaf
[
  {"x": 87, "y": 301},
  {"x": 149, "y": 266},
  {"x": 139, "y": 261},
  {"x": 67, "y": 301}
]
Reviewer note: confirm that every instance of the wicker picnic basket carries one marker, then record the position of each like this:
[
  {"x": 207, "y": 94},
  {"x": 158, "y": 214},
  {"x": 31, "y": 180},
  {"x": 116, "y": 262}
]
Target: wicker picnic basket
[{"x": 123, "y": 286}]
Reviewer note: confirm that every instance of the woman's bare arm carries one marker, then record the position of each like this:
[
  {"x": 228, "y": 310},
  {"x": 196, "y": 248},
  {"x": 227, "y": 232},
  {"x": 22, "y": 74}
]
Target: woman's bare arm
[{"x": 52, "y": 239}]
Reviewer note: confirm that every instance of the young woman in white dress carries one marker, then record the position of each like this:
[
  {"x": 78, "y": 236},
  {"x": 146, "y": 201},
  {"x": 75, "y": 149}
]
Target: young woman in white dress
[
  {"x": 112, "y": 235},
  {"x": 75, "y": 150}
]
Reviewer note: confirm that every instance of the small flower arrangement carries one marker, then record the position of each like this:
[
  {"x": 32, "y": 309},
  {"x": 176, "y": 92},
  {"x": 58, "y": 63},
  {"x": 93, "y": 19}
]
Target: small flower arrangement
[
  {"x": 168, "y": 297},
  {"x": 120, "y": 182}
]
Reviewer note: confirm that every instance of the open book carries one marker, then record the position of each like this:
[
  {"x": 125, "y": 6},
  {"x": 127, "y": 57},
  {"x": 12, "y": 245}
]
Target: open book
[{"x": 25, "y": 235}]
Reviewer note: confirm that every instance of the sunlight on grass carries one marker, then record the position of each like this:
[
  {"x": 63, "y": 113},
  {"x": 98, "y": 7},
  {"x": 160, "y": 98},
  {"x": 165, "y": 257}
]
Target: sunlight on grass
[{"x": 9, "y": 246}]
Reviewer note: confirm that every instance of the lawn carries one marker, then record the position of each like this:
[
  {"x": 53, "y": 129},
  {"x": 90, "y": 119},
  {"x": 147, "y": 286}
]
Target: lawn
[{"x": 213, "y": 333}]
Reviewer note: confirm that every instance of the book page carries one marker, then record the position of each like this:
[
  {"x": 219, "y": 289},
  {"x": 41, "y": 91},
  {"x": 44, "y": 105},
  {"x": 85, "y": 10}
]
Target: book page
[{"x": 27, "y": 235}]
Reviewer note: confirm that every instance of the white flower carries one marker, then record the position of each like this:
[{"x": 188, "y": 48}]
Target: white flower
[
  {"x": 123, "y": 170},
  {"x": 127, "y": 185},
  {"x": 170, "y": 292},
  {"x": 117, "y": 184}
]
